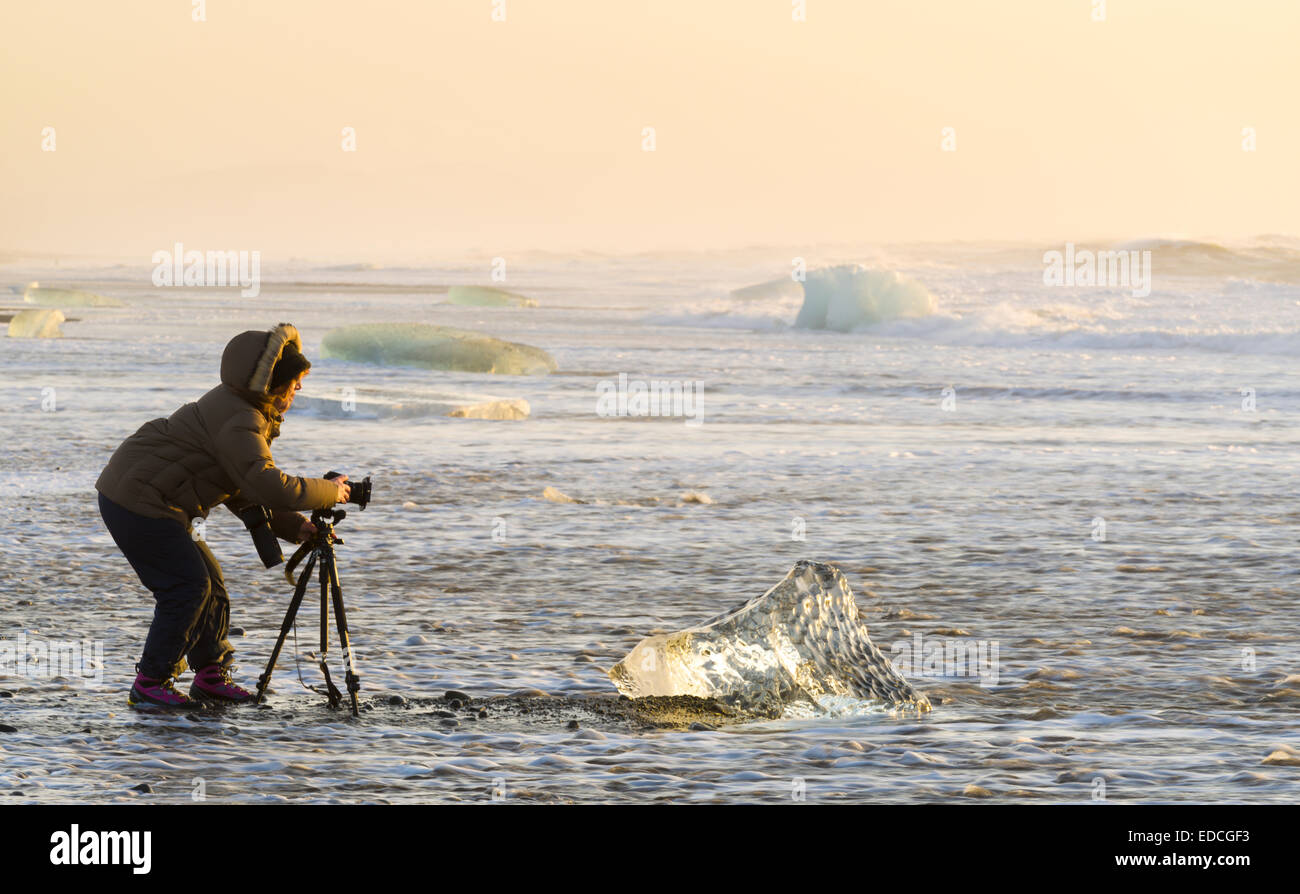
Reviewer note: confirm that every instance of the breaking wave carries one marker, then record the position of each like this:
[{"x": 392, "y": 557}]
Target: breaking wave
[
  {"x": 1266, "y": 258},
  {"x": 1006, "y": 326},
  {"x": 799, "y": 645}
]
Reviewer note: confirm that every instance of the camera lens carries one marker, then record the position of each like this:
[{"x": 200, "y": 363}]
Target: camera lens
[{"x": 361, "y": 492}]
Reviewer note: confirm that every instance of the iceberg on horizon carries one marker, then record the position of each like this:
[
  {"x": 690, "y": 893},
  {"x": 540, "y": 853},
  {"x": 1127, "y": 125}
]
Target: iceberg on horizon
[
  {"x": 801, "y": 641},
  {"x": 486, "y": 296},
  {"x": 435, "y": 347},
  {"x": 785, "y": 287},
  {"x": 46, "y": 296},
  {"x": 845, "y": 297}
]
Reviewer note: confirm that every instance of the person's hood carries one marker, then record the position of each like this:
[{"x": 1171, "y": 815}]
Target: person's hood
[{"x": 249, "y": 357}]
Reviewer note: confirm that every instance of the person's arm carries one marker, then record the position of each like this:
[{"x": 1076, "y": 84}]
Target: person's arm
[{"x": 245, "y": 456}]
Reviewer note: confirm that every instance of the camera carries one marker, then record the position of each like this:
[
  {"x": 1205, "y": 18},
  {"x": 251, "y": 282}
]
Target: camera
[{"x": 360, "y": 493}]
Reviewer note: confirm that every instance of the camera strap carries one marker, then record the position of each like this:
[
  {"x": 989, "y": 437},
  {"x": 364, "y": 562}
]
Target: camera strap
[{"x": 298, "y": 556}]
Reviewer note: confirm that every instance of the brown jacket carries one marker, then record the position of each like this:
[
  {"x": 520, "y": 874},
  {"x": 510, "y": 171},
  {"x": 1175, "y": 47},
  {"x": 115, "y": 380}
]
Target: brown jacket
[{"x": 218, "y": 449}]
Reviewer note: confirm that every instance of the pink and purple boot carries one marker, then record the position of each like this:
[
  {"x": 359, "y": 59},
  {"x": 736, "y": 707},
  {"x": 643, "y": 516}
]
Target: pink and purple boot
[
  {"x": 151, "y": 692},
  {"x": 213, "y": 684}
]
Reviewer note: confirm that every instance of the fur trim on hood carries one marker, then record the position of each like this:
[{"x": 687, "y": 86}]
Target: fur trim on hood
[{"x": 249, "y": 357}]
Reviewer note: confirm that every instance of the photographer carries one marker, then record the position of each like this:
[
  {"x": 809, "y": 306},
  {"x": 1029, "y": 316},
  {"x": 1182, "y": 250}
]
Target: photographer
[{"x": 170, "y": 473}]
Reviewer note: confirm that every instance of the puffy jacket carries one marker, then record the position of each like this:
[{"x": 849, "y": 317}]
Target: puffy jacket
[{"x": 218, "y": 449}]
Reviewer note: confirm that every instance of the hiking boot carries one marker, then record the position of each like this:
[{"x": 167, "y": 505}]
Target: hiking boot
[
  {"x": 149, "y": 692},
  {"x": 213, "y": 684}
]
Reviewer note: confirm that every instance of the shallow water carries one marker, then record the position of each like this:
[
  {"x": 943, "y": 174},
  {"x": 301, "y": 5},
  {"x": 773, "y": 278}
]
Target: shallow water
[{"x": 1157, "y": 662}]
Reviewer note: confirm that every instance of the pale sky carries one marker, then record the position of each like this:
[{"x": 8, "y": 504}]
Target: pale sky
[{"x": 480, "y": 136}]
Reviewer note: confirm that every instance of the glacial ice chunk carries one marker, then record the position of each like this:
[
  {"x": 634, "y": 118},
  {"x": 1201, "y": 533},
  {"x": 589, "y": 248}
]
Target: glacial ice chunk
[
  {"x": 513, "y": 409},
  {"x": 845, "y": 297},
  {"x": 801, "y": 641},
  {"x": 435, "y": 347},
  {"x": 486, "y": 296},
  {"x": 37, "y": 324},
  {"x": 555, "y": 495},
  {"x": 45, "y": 296}
]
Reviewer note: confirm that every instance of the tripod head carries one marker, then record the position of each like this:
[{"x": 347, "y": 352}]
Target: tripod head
[
  {"x": 327, "y": 516},
  {"x": 325, "y": 520}
]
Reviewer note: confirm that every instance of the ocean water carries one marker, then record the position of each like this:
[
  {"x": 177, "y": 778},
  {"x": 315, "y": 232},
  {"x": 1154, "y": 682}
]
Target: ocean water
[{"x": 1088, "y": 492}]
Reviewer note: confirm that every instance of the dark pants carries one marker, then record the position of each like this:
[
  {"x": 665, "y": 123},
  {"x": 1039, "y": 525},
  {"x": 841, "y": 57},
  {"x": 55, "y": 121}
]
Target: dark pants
[{"x": 192, "y": 616}]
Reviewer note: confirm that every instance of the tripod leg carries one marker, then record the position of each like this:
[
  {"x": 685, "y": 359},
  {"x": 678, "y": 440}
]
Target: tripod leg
[
  {"x": 298, "y": 592},
  {"x": 340, "y": 616},
  {"x": 332, "y": 693}
]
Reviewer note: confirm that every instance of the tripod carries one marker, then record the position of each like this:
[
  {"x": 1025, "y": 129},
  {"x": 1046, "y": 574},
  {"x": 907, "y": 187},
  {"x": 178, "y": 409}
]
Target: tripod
[{"x": 319, "y": 547}]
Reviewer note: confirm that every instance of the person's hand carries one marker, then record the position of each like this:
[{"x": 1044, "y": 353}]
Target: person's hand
[
  {"x": 345, "y": 489},
  {"x": 308, "y": 530}
]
